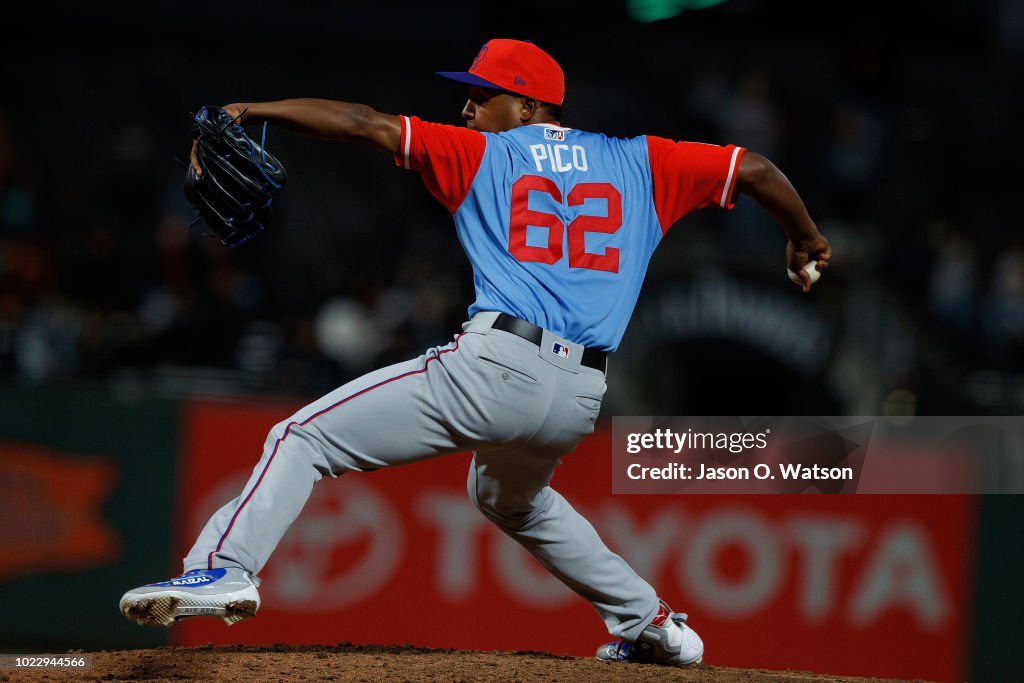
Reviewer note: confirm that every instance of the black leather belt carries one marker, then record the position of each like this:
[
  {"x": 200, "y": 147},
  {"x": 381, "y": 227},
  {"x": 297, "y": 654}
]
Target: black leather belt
[{"x": 592, "y": 358}]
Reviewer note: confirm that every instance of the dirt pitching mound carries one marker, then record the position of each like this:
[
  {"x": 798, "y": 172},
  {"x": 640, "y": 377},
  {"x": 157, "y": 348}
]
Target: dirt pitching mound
[{"x": 373, "y": 663}]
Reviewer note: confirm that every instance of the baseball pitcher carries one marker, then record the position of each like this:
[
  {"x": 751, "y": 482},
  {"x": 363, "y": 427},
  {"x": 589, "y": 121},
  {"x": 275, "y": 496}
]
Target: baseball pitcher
[{"x": 559, "y": 225}]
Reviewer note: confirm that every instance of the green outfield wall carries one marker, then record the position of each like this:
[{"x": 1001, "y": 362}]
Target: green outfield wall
[{"x": 87, "y": 482}]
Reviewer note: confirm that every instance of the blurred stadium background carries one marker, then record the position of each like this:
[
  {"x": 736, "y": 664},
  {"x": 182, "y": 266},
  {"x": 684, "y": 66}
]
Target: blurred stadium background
[{"x": 141, "y": 363}]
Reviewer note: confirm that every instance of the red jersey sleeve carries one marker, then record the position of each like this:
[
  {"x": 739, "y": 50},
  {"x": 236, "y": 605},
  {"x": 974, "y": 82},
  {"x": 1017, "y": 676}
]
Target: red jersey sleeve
[
  {"x": 690, "y": 175},
  {"x": 447, "y": 157}
]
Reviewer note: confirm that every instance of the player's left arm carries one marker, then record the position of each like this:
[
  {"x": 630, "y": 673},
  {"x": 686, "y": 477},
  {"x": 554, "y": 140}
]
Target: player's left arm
[
  {"x": 761, "y": 180},
  {"x": 325, "y": 119}
]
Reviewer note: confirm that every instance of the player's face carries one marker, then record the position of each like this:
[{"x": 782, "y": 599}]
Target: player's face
[{"x": 492, "y": 111}]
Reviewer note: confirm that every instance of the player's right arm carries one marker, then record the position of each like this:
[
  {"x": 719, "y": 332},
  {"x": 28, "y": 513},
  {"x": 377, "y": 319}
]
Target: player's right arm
[
  {"x": 760, "y": 179},
  {"x": 325, "y": 119},
  {"x": 688, "y": 176}
]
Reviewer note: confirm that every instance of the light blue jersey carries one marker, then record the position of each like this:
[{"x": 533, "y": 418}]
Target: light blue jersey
[{"x": 560, "y": 224}]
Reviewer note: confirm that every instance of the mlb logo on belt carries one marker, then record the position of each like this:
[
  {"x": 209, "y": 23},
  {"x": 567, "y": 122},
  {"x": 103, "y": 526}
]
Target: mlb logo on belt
[
  {"x": 560, "y": 350},
  {"x": 553, "y": 134}
]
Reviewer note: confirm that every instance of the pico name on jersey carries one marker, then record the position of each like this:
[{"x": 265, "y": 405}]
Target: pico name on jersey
[{"x": 560, "y": 158}]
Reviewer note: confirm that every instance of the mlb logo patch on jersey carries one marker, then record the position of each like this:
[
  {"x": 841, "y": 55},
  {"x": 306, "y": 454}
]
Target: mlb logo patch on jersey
[
  {"x": 560, "y": 350},
  {"x": 554, "y": 134}
]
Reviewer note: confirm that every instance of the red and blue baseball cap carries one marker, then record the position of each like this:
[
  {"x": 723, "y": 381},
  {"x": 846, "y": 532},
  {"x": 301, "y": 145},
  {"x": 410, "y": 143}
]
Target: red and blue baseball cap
[{"x": 516, "y": 66}]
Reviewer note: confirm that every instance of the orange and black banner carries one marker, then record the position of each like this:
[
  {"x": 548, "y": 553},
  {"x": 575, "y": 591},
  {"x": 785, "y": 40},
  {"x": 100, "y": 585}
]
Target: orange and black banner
[{"x": 86, "y": 508}]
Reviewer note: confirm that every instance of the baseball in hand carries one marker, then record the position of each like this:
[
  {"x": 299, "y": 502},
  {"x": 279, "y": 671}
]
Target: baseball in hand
[{"x": 811, "y": 269}]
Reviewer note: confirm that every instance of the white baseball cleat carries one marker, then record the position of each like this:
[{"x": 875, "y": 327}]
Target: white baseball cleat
[
  {"x": 667, "y": 640},
  {"x": 229, "y": 593}
]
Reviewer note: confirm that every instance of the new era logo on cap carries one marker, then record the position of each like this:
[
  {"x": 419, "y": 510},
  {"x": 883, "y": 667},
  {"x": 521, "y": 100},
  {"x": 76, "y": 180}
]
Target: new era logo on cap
[{"x": 479, "y": 55}]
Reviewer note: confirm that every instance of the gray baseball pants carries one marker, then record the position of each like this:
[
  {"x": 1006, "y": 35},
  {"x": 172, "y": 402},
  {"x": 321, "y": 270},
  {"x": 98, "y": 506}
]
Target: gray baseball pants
[{"x": 517, "y": 406}]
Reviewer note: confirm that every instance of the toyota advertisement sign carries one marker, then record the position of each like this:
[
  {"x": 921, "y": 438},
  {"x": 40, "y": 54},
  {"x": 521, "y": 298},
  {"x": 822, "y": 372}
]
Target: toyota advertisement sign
[{"x": 808, "y": 582}]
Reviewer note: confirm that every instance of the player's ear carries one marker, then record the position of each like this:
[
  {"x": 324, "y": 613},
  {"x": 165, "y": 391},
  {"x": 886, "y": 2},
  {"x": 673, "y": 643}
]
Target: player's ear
[{"x": 529, "y": 109}]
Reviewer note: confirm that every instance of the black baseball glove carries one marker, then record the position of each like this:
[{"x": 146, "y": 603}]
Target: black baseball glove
[{"x": 235, "y": 193}]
